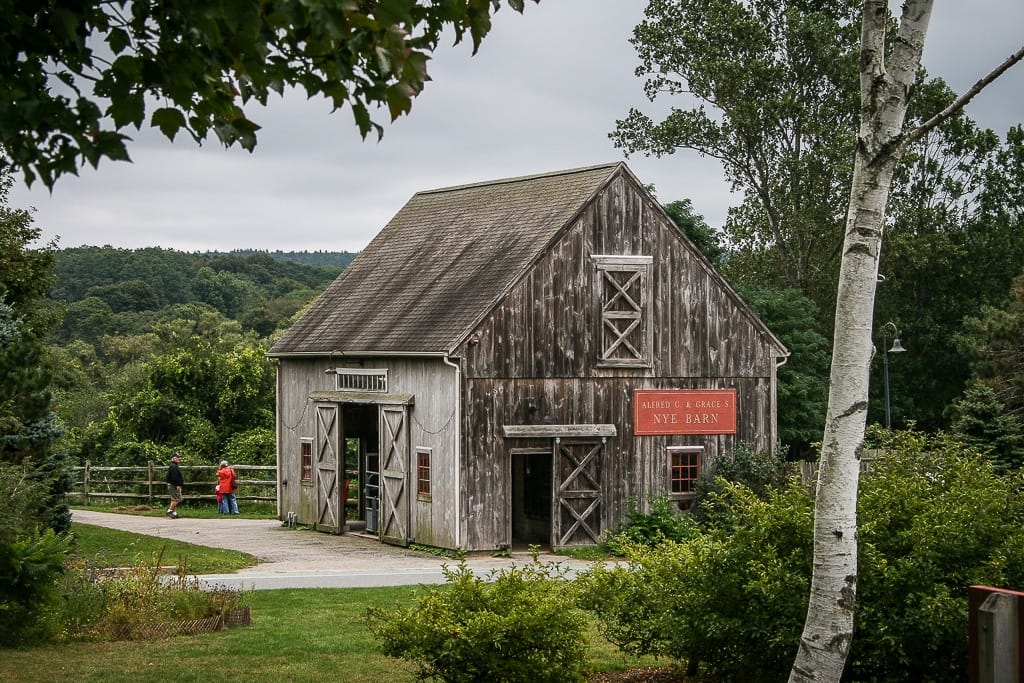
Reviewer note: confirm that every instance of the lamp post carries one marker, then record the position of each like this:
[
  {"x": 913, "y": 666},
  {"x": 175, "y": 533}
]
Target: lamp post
[{"x": 896, "y": 348}]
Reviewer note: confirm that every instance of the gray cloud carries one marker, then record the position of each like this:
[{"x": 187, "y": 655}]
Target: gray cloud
[{"x": 542, "y": 94}]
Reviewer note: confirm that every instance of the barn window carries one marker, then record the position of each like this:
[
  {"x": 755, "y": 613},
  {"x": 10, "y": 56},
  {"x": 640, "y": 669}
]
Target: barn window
[
  {"x": 423, "y": 473},
  {"x": 684, "y": 463},
  {"x": 361, "y": 379},
  {"x": 624, "y": 297},
  {"x": 306, "y": 459}
]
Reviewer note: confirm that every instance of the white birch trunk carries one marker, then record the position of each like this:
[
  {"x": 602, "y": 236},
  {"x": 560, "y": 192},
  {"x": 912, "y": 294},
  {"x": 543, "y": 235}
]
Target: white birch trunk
[{"x": 828, "y": 629}]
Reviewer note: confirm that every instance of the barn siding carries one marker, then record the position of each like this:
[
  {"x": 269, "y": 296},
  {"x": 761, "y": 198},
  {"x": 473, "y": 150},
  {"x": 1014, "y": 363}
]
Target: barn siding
[{"x": 540, "y": 342}]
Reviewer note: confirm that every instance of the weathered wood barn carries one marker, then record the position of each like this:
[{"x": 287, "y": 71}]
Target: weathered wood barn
[{"x": 512, "y": 362}]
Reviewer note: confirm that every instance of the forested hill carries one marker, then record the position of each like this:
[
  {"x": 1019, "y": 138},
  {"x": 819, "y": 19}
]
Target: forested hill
[
  {"x": 339, "y": 259},
  {"x": 115, "y": 291}
]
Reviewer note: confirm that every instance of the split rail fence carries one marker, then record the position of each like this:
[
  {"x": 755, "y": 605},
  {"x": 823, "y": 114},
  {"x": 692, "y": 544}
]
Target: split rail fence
[{"x": 148, "y": 484}]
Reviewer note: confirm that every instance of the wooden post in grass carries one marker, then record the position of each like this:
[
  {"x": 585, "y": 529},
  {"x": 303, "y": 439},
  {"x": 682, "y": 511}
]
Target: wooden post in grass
[{"x": 85, "y": 483}]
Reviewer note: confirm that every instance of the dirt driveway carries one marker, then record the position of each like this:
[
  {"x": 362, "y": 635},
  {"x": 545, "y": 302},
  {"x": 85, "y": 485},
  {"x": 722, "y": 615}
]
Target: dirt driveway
[{"x": 299, "y": 558}]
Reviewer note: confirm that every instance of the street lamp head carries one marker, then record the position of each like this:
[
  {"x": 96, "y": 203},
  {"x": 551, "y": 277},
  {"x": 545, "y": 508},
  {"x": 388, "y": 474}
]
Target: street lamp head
[{"x": 896, "y": 346}]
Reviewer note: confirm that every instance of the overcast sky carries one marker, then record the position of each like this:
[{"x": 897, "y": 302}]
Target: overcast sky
[{"x": 541, "y": 95}]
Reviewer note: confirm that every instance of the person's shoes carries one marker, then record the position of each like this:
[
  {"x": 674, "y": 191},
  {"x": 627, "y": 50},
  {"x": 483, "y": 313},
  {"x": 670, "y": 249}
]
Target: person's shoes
[
  {"x": 174, "y": 515},
  {"x": 170, "y": 513}
]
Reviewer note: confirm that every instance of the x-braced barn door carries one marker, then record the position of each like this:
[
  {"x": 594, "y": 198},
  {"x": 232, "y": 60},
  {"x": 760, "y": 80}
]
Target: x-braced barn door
[
  {"x": 329, "y": 510},
  {"x": 394, "y": 476},
  {"x": 576, "y": 518}
]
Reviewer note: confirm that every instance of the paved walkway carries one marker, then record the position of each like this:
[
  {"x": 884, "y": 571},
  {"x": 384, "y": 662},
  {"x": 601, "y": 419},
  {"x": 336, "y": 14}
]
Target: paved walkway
[{"x": 299, "y": 558}]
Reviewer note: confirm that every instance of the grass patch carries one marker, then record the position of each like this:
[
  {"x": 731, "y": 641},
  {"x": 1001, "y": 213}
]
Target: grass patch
[
  {"x": 102, "y": 547},
  {"x": 295, "y": 635},
  {"x": 200, "y": 510},
  {"x": 589, "y": 553}
]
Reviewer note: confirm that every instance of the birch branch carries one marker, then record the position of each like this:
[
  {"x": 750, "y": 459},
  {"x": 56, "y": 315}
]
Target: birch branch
[{"x": 961, "y": 101}]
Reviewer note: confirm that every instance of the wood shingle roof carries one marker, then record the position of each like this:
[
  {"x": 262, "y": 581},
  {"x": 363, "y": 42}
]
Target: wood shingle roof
[{"x": 441, "y": 263}]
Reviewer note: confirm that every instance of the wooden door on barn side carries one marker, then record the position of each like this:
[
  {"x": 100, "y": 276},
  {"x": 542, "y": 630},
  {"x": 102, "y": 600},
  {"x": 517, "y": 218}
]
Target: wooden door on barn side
[
  {"x": 577, "y": 500},
  {"x": 394, "y": 475},
  {"x": 330, "y": 513}
]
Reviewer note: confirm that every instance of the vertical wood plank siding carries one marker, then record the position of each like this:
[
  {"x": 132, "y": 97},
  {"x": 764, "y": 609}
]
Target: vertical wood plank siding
[
  {"x": 431, "y": 423},
  {"x": 540, "y": 343}
]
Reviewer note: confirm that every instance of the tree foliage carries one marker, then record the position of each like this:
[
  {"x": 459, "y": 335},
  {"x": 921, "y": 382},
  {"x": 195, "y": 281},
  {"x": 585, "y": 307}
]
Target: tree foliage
[
  {"x": 992, "y": 342},
  {"x": 802, "y": 381},
  {"x": 693, "y": 225},
  {"x": 117, "y": 292},
  {"x": 28, "y": 430},
  {"x": 78, "y": 75},
  {"x": 774, "y": 85},
  {"x": 954, "y": 213}
]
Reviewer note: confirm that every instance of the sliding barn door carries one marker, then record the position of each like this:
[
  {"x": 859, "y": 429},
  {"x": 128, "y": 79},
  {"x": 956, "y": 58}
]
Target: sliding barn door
[
  {"x": 329, "y": 510},
  {"x": 578, "y": 500},
  {"x": 394, "y": 475}
]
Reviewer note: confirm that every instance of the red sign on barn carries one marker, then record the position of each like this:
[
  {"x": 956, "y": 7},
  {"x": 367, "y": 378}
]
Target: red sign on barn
[{"x": 684, "y": 411}]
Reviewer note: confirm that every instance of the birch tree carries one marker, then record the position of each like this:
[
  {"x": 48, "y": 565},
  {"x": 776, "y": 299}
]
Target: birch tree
[{"x": 887, "y": 72}]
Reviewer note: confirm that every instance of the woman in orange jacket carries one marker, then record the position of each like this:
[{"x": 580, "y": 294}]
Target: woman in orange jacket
[{"x": 226, "y": 479}]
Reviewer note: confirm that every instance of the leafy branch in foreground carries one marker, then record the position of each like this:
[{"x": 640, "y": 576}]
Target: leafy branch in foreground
[{"x": 76, "y": 75}]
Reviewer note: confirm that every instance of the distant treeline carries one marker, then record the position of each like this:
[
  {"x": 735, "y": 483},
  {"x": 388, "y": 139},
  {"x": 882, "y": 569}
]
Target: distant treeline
[
  {"x": 110, "y": 291},
  {"x": 310, "y": 258}
]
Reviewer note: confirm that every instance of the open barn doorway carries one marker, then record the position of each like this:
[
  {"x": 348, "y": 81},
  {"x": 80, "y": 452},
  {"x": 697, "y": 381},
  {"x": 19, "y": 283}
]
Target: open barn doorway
[
  {"x": 361, "y": 443},
  {"x": 531, "y": 498}
]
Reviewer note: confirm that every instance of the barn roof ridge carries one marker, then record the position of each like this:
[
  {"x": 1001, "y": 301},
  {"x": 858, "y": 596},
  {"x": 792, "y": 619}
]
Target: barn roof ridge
[{"x": 519, "y": 179}]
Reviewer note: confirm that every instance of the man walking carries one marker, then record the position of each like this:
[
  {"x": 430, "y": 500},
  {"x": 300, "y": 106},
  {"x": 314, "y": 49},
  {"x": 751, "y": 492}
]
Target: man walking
[{"x": 174, "y": 483}]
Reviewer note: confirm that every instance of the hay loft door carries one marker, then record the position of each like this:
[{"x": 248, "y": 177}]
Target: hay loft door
[
  {"x": 577, "y": 499},
  {"x": 394, "y": 475},
  {"x": 330, "y": 512}
]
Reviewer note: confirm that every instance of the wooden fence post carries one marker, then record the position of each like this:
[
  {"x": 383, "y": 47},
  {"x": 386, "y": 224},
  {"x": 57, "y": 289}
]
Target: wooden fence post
[
  {"x": 150, "y": 476},
  {"x": 85, "y": 483}
]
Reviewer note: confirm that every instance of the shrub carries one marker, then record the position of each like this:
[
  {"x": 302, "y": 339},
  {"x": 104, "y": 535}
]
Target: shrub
[
  {"x": 517, "y": 625},
  {"x": 758, "y": 471},
  {"x": 29, "y": 566},
  {"x": 729, "y": 601},
  {"x": 935, "y": 518},
  {"x": 664, "y": 522},
  {"x": 31, "y": 555}
]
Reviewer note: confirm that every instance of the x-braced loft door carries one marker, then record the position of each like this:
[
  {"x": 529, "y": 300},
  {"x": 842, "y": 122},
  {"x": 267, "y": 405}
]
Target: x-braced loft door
[
  {"x": 394, "y": 476},
  {"x": 578, "y": 499},
  {"x": 329, "y": 510}
]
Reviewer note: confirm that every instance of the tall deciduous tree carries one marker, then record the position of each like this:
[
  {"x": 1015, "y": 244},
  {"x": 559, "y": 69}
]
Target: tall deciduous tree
[
  {"x": 887, "y": 73},
  {"x": 75, "y": 75},
  {"x": 775, "y": 104},
  {"x": 954, "y": 212}
]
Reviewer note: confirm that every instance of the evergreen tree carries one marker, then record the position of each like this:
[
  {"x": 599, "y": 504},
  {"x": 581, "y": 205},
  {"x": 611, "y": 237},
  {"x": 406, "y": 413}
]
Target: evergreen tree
[{"x": 28, "y": 429}]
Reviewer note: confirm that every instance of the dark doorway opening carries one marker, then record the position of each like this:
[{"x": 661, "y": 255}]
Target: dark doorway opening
[
  {"x": 531, "y": 498},
  {"x": 360, "y": 439}
]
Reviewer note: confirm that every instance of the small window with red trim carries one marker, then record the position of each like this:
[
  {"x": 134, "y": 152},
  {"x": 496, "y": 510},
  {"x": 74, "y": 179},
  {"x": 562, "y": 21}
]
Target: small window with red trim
[
  {"x": 423, "y": 474},
  {"x": 683, "y": 470},
  {"x": 306, "y": 459}
]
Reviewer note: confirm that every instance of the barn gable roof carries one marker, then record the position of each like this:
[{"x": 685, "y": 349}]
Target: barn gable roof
[{"x": 444, "y": 259}]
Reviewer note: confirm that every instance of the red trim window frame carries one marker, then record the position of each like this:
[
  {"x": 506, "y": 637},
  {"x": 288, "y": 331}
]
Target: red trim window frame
[
  {"x": 423, "y": 473},
  {"x": 306, "y": 460},
  {"x": 684, "y": 467}
]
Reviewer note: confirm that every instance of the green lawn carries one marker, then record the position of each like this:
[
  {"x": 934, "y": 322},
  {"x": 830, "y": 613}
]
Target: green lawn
[
  {"x": 295, "y": 635},
  {"x": 104, "y": 547}
]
